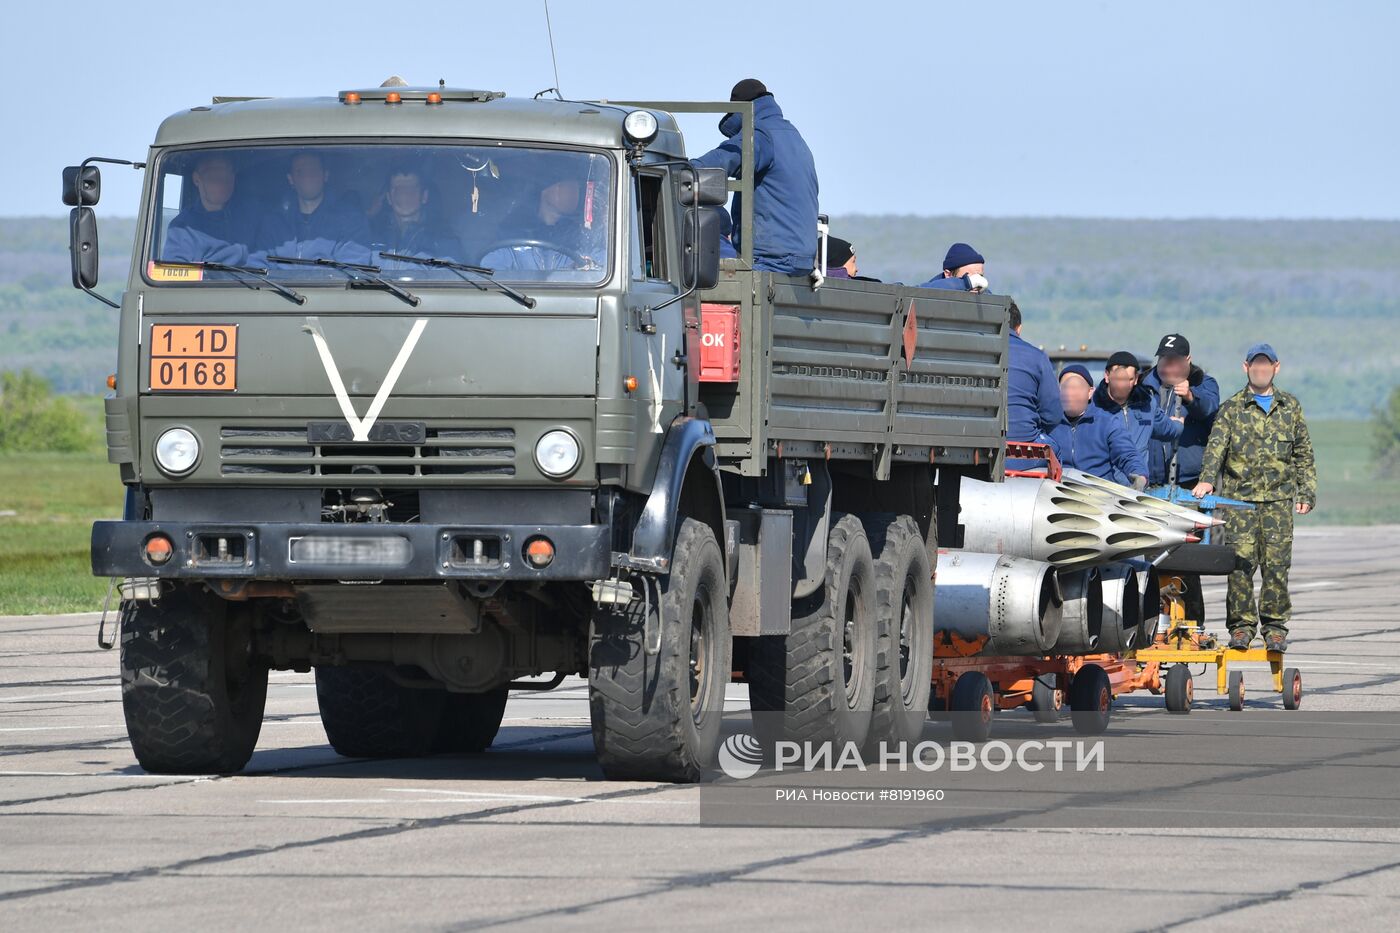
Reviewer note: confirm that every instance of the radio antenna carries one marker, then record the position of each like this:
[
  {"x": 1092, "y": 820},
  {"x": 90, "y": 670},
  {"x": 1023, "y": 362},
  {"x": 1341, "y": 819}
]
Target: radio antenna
[{"x": 553, "y": 60}]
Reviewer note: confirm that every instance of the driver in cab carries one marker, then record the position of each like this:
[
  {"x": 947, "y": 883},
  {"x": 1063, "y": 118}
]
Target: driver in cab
[{"x": 560, "y": 234}]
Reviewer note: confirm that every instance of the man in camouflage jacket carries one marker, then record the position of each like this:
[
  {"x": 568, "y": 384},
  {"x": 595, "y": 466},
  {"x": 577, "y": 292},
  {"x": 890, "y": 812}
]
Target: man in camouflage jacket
[{"x": 1259, "y": 452}]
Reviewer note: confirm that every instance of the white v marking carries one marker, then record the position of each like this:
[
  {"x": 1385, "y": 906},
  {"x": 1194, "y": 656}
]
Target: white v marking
[
  {"x": 657, "y": 387},
  {"x": 359, "y": 429}
]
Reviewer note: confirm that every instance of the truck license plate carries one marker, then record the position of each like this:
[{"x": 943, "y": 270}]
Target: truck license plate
[{"x": 378, "y": 550}]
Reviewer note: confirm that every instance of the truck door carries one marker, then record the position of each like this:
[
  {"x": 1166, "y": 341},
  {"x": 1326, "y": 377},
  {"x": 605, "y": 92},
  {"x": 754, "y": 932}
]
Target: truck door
[{"x": 654, "y": 338}]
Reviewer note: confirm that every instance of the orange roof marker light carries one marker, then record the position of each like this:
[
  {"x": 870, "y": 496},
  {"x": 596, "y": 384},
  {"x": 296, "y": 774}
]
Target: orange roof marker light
[
  {"x": 434, "y": 97},
  {"x": 350, "y": 97},
  {"x": 392, "y": 98}
]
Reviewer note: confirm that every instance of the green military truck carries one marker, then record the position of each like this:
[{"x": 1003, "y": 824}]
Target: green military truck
[{"x": 444, "y": 394}]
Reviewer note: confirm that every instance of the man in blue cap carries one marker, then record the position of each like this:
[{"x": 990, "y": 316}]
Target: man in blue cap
[
  {"x": 784, "y": 183},
  {"x": 963, "y": 270},
  {"x": 1260, "y": 452},
  {"x": 1090, "y": 440}
]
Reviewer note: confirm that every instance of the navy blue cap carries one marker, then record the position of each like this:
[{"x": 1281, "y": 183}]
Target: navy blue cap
[
  {"x": 1080, "y": 370},
  {"x": 1261, "y": 349},
  {"x": 959, "y": 255}
]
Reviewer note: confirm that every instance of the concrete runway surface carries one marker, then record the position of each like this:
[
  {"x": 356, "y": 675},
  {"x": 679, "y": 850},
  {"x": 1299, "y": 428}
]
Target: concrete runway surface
[{"x": 530, "y": 835}]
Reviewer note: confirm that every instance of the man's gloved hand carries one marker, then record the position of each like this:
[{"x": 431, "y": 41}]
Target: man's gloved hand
[
  {"x": 1139, "y": 482},
  {"x": 976, "y": 282}
]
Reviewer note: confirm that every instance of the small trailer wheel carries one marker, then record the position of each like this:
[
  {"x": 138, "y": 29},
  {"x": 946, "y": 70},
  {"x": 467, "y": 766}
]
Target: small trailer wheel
[
  {"x": 973, "y": 703},
  {"x": 1045, "y": 701},
  {"x": 1237, "y": 690},
  {"x": 1091, "y": 700},
  {"x": 1179, "y": 689},
  {"x": 1292, "y": 688}
]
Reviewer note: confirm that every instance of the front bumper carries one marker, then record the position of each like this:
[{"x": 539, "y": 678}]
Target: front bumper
[{"x": 276, "y": 551}]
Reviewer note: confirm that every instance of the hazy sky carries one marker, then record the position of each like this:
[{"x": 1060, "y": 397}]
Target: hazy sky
[{"x": 1119, "y": 109}]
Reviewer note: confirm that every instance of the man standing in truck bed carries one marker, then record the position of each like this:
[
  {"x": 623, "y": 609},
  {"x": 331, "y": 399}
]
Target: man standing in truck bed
[
  {"x": 1259, "y": 451},
  {"x": 784, "y": 182},
  {"x": 1033, "y": 408}
]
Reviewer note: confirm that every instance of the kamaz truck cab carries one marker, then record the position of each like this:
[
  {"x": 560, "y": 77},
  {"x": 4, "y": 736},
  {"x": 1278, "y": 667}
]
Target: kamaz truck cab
[{"x": 409, "y": 391}]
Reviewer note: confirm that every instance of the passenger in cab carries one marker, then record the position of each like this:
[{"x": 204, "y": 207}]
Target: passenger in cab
[
  {"x": 214, "y": 228},
  {"x": 1090, "y": 440},
  {"x": 784, "y": 183},
  {"x": 405, "y": 225},
  {"x": 964, "y": 270},
  {"x": 311, "y": 223}
]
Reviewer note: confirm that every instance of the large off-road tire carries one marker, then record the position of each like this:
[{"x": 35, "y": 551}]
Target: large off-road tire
[
  {"x": 656, "y": 717},
  {"x": 193, "y": 689},
  {"x": 470, "y": 721},
  {"x": 817, "y": 683},
  {"x": 366, "y": 714},
  {"x": 904, "y": 613}
]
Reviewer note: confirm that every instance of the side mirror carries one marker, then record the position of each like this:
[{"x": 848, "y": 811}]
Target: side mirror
[
  {"x": 703, "y": 187},
  {"x": 82, "y": 185},
  {"x": 82, "y": 247},
  {"x": 700, "y": 248}
]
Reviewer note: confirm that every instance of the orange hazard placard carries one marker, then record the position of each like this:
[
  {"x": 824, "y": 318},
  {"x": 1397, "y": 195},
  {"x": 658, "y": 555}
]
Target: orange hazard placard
[{"x": 194, "y": 357}]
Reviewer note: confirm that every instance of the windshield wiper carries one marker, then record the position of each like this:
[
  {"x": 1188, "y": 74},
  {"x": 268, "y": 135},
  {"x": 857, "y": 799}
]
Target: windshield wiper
[
  {"x": 261, "y": 277},
  {"x": 459, "y": 268},
  {"x": 360, "y": 275}
]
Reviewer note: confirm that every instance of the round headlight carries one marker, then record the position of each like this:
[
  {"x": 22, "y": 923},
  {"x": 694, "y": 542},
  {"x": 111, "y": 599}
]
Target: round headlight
[
  {"x": 557, "y": 453},
  {"x": 640, "y": 127},
  {"x": 177, "y": 451}
]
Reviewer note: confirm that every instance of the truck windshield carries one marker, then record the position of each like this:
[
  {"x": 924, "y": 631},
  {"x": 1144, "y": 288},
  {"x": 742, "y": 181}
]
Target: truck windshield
[{"x": 526, "y": 214}]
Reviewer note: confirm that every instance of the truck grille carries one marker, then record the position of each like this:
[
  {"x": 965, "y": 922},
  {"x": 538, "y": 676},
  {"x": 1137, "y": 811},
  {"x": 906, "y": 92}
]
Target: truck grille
[{"x": 448, "y": 451}]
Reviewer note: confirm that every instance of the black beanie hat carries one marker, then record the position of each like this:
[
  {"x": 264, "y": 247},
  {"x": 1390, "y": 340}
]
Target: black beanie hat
[
  {"x": 749, "y": 89},
  {"x": 1122, "y": 358},
  {"x": 838, "y": 252}
]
